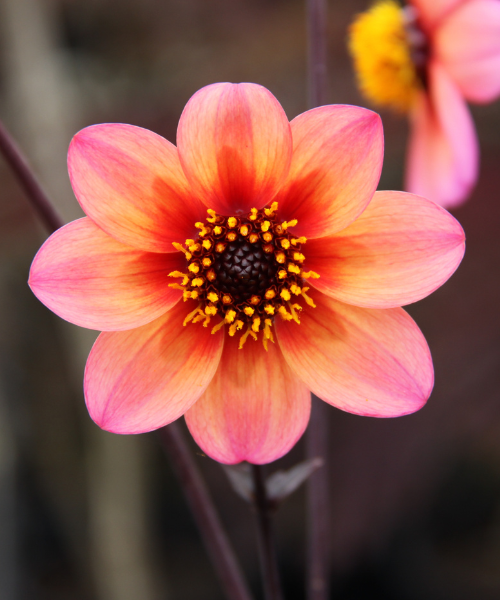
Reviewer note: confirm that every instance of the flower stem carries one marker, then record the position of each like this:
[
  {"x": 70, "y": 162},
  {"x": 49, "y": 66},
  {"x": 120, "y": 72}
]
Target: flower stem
[
  {"x": 318, "y": 506},
  {"x": 316, "y": 35},
  {"x": 201, "y": 505},
  {"x": 317, "y": 435},
  {"x": 203, "y": 510},
  {"x": 269, "y": 565},
  {"x": 28, "y": 181}
]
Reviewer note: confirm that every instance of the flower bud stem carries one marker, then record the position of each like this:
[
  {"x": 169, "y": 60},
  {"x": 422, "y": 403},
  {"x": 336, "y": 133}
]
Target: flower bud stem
[
  {"x": 34, "y": 191},
  {"x": 204, "y": 513},
  {"x": 267, "y": 552}
]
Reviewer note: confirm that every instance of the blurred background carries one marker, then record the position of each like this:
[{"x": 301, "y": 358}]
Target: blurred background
[{"x": 86, "y": 515}]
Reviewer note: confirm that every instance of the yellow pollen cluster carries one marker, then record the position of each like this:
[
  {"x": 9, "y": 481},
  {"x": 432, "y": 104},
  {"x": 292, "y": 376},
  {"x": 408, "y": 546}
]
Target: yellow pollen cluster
[
  {"x": 381, "y": 51},
  {"x": 246, "y": 271}
]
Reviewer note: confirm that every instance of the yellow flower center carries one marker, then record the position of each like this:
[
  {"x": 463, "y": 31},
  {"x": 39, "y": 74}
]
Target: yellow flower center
[
  {"x": 388, "y": 50},
  {"x": 245, "y": 270}
]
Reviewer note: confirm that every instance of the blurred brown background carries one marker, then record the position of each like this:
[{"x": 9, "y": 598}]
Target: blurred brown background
[{"x": 86, "y": 515}]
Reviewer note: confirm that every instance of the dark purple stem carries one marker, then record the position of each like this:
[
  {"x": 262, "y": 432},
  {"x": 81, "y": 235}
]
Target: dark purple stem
[
  {"x": 267, "y": 552},
  {"x": 29, "y": 182},
  {"x": 316, "y": 35},
  {"x": 317, "y": 434},
  {"x": 212, "y": 532},
  {"x": 318, "y": 506},
  {"x": 203, "y": 510}
]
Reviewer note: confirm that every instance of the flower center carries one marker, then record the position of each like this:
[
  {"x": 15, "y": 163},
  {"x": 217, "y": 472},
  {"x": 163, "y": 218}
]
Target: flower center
[
  {"x": 246, "y": 271},
  {"x": 390, "y": 54}
]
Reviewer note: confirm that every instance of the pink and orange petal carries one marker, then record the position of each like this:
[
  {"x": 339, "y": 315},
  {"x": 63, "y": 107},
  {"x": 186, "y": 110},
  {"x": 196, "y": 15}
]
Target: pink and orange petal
[{"x": 255, "y": 408}]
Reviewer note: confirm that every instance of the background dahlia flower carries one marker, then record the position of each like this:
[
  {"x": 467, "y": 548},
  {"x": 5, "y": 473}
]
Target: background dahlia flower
[
  {"x": 250, "y": 265},
  {"x": 427, "y": 59}
]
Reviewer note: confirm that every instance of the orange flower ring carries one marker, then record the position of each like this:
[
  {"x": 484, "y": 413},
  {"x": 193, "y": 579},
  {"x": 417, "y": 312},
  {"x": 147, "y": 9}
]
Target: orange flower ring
[{"x": 246, "y": 270}]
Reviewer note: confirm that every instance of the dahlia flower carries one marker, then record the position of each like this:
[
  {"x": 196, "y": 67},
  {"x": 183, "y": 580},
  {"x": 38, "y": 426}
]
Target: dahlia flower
[
  {"x": 250, "y": 265},
  {"x": 427, "y": 59}
]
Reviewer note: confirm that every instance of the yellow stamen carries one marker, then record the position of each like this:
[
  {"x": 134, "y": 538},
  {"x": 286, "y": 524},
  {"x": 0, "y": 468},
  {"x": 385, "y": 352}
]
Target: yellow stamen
[
  {"x": 270, "y": 294},
  {"x": 280, "y": 257},
  {"x": 191, "y": 315},
  {"x": 282, "y": 274},
  {"x": 255, "y": 300},
  {"x": 243, "y": 338},
  {"x": 197, "y": 282},
  {"x": 269, "y": 309},
  {"x": 295, "y": 289},
  {"x": 294, "y": 269},
  {"x": 226, "y": 299},
  {"x": 217, "y": 230},
  {"x": 176, "y": 286},
  {"x": 265, "y": 226},
  {"x": 379, "y": 45},
  {"x": 203, "y": 230},
  {"x": 235, "y": 327},
  {"x": 287, "y": 224},
  {"x": 230, "y": 315},
  {"x": 194, "y": 268},
  {"x": 293, "y": 311},
  {"x": 248, "y": 310},
  {"x": 210, "y": 310},
  {"x": 272, "y": 209},
  {"x": 216, "y": 328},
  {"x": 213, "y": 215},
  {"x": 300, "y": 240},
  {"x": 231, "y": 236},
  {"x": 207, "y": 244},
  {"x": 181, "y": 248},
  {"x": 232, "y": 222},
  {"x": 212, "y": 296},
  {"x": 298, "y": 257},
  {"x": 307, "y": 298},
  {"x": 285, "y": 294},
  {"x": 268, "y": 333},
  {"x": 206, "y": 261},
  {"x": 253, "y": 237},
  {"x": 256, "y": 324},
  {"x": 220, "y": 247},
  {"x": 253, "y": 214},
  {"x": 244, "y": 230},
  {"x": 185, "y": 278},
  {"x": 310, "y": 275},
  {"x": 285, "y": 314},
  {"x": 285, "y": 244},
  {"x": 267, "y": 236}
]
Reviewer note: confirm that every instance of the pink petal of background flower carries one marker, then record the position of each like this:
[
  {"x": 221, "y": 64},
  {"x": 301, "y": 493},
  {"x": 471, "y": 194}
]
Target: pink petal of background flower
[
  {"x": 443, "y": 154},
  {"x": 468, "y": 45}
]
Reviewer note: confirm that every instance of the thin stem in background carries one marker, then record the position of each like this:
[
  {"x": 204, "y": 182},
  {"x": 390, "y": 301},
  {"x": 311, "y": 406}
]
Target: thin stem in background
[
  {"x": 318, "y": 507},
  {"x": 203, "y": 510},
  {"x": 317, "y": 433},
  {"x": 28, "y": 181},
  {"x": 316, "y": 36},
  {"x": 213, "y": 535},
  {"x": 268, "y": 563}
]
